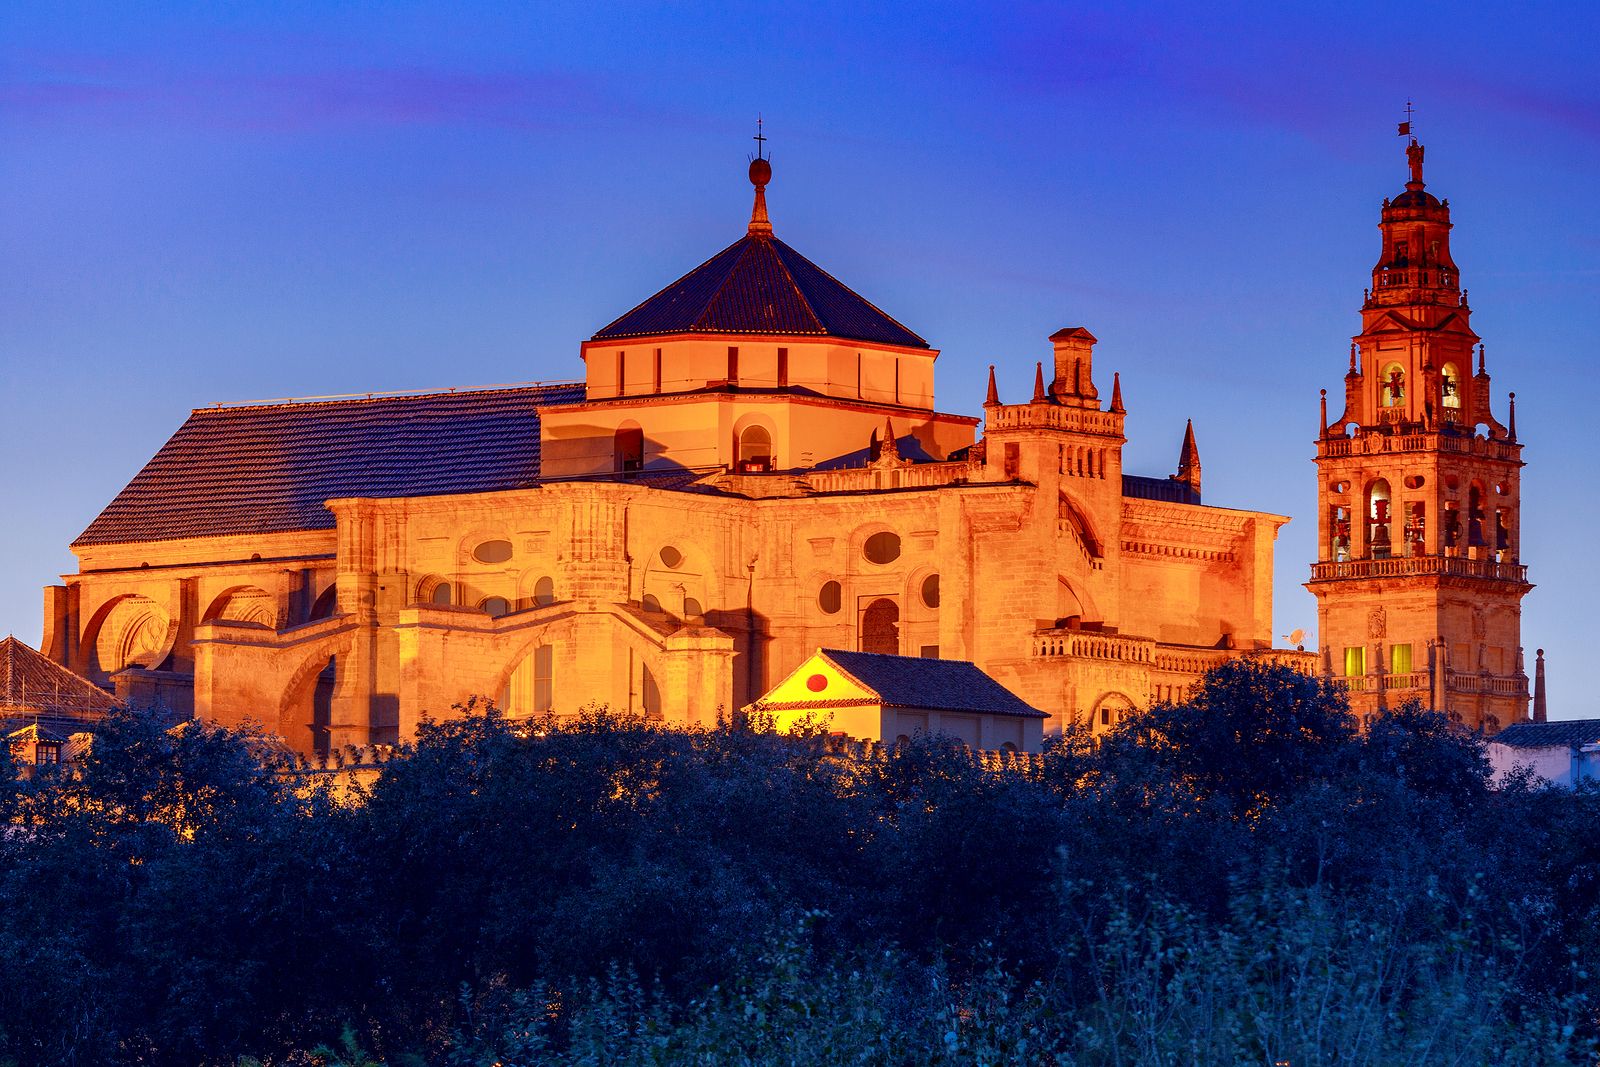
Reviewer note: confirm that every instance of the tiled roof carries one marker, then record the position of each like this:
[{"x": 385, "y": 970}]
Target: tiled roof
[
  {"x": 939, "y": 684},
  {"x": 269, "y": 468},
  {"x": 29, "y": 682},
  {"x": 761, "y": 285},
  {"x": 1571, "y": 733}
]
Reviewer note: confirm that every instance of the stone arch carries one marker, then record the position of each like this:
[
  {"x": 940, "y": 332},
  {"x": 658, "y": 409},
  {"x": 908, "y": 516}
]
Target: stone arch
[
  {"x": 755, "y": 441},
  {"x": 129, "y": 630},
  {"x": 627, "y": 447},
  {"x": 243, "y": 603},
  {"x": 431, "y": 587},
  {"x": 558, "y": 633},
  {"x": 1078, "y": 519},
  {"x": 1109, "y": 710},
  {"x": 305, "y": 708},
  {"x": 326, "y": 606},
  {"x": 880, "y": 627},
  {"x": 694, "y": 572}
]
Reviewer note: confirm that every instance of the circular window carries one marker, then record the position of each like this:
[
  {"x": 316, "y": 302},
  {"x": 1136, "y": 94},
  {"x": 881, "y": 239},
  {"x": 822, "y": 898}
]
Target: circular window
[
  {"x": 495, "y": 606},
  {"x": 671, "y": 556},
  {"x": 831, "y": 597},
  {"x": 691, "y": 606},
  {"x": 817, "y": 683},
  {"x": 492, "y": 552},
  {"x": 882, "y": 548},
  {"x": 1415, "y": 481},
  {"x": 930, "y": 590},
  {"x": 544, "y": 592}
]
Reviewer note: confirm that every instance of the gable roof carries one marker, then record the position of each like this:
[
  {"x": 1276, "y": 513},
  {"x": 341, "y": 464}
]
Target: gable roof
[
  {"x": 1570, "y": 733},
  {"x": 31, "y": 684},
  {"x": 268, "y": 468},
  {"x": 758, "y": 284},
  {"x": 939, "y": 684}
]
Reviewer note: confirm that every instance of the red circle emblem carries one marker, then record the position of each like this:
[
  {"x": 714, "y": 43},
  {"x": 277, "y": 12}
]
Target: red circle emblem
[{"x": 817, "y": 683}]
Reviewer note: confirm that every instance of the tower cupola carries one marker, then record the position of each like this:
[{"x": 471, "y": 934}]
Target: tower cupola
[{"x": 1415, "y": 264}]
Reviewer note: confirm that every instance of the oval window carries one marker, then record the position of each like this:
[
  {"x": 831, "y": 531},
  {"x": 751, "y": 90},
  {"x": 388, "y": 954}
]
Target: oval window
[
  {"x": 817, "y": 683},
  {"x": 882, "y": 548},
  {"x": 492, "y": 552},
  {"x": 930, "y": 590},
  {"x": 671, "y": 556},
  {"x": 691, "y": 606},
  {"x": 495, "y": 606},
  {"x": 544, "y": 592},
  {"x": 441, "y": 594},
  {"x": 831, "y": 597}
]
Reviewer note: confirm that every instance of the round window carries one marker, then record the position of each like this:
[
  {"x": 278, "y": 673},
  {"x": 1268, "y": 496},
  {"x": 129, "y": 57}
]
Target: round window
[
  {"x": 930, "y": 590},
  {"x": 495, "y": 606},
  {"x": 671, "y": 556},
  {"x": 831, "y": 598},
  {"x": 817, "y": 683},
  {"x": 492, "y": 552},
  {"x": 882, "y": 548}
]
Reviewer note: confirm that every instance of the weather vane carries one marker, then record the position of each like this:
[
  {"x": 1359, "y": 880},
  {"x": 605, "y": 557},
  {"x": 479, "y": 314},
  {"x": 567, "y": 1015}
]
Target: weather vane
[
  {"x": 1405, "y": 127},
  {"x": 760, "y": 139}
]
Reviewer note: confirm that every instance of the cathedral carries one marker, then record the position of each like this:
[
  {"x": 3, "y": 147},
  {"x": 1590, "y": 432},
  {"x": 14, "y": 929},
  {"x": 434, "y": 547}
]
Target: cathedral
[{"x": 753, "y": 468}]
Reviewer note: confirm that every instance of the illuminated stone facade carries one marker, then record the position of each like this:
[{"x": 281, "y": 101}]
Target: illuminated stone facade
[
  {"x": 1419, "y": 578},
  {"x": 752, "y": 469}
]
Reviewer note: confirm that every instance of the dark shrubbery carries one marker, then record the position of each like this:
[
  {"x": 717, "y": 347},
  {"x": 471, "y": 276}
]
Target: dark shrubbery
[{"x": 1242, "y": 878}]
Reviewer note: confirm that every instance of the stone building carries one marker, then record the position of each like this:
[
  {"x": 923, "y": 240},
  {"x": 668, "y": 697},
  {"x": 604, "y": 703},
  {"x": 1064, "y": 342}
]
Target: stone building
[
  {"x": 751, "y": 468},
  {"x": 1419, "y": 578}
]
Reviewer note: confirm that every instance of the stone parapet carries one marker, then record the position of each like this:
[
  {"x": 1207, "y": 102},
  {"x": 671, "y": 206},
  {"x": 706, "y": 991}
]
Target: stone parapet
[
  {"x": 1369, "y": 444},
  {"x": 1408, "y": 566}
]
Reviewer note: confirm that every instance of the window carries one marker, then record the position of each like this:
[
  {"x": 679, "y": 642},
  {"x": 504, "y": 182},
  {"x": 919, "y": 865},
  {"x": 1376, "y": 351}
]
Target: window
[
  {"x": 671, "y": 556},
  {"x": 1378, "y": 520},
  {"x": 544, "y": 661},
  {"x": 830, "y": 598},
  {"x": 622, "y": 373},
  {"x": 880, "y": 627},
  {"x": 655, "y": 376},
  {"x": 544, "y": 592},
  {"x": 1393, "y": 389},
  {"x": 495, "y": 606},
  {"x": 733, "y": 365},
  {"x": 629, "y": 449},
  {"x": 755, "y": 451},
  {"x": 930, "y": 590},
  {"x": 882, "y": 548},
  {"x": 492, "y": 552},
  {"x": 441, "y": 594},
  {"x": 1013, "y": 459},
  {"x": 650, "y": 602},
  {"x": 929, "y": 652},
  {"x": 1450, "y": 385},
  {"x": 783, "y": 368},
  {"x": 649, "y": 694},
  {"x": 691, "y": 607},
  {"x": 1399, "y": 659},
  {"x": 1355, "y": 662}
]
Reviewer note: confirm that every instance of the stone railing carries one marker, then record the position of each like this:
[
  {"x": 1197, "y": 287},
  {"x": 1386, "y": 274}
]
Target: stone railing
[
  {"x": 1087, "y": 644},
  {"x": 1404, "y": 566},
  {"x": 1377, "y": 443},
  {"x": 865, "y": 479},
  {"x": 1455, "y": 681},
  {"x": 1053, "y": 417}
]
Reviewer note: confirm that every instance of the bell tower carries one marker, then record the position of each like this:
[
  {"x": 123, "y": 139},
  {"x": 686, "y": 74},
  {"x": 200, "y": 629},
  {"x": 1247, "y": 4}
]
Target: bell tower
[{"x": 1418, "y": 579}]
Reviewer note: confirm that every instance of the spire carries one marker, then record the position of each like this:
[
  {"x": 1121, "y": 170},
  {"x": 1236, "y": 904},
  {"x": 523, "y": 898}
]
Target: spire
[
  {"x": 1116, "y": 393},
  {"x": 1039, "y": 396},
  {"x": 1189, "y": 461},
  {"x": 1322, "y": 424},
  {"x": 760, "y": 175},
  {"x": 1353, "y": 349},
  {"x": 890, "y": 448},
  {"x": 1511, "y": 430},
  {"x": 1480, "y": 359},
  {"x": 993, "y": 396},
  {"x": 1539, "y": 710}
]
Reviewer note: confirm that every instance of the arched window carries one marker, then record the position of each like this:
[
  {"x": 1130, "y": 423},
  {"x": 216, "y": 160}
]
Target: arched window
[
  {"x": 1450, "y": 385},
  {"x": 880, "y": 627},
  {"x": 442, "y": 594},
  {"x": 495, "y": 606},
  {"x": 755, "y": 450},
  {"x": 629, "y": 448},
  {"x": 544, "y": 592},
  {"x": 1475, "y": 515},
  {"x": 649, "y": 694},
  {"x": 1378, "y": 520},
  {"x": 1393, "y": 387}
]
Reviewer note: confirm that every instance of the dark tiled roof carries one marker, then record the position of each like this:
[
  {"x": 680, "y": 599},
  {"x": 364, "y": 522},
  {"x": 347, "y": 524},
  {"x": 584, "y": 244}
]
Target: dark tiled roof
[
  {"x": 269, "y": 468},
  {"x": 29, "y": 682},
  {"x": 940, "y": 684},
  {"x": 1168, "y": 489},
  {"x": 761, "y": 285},
  {"x": 1573, "y": 733}
]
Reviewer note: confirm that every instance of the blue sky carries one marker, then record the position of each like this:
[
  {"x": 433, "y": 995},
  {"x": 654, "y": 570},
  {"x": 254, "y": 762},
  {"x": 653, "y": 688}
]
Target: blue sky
[{"x": 229, "y": 202}]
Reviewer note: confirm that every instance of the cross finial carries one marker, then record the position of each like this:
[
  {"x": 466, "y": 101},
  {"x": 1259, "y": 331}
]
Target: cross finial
[{"x": 760, "y": 139}]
